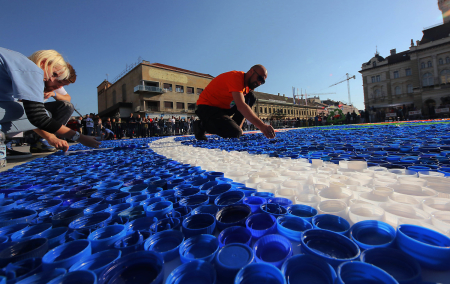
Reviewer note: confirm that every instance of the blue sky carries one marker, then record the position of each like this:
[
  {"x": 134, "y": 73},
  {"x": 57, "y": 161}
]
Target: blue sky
[{"x": 305, "y": 44}]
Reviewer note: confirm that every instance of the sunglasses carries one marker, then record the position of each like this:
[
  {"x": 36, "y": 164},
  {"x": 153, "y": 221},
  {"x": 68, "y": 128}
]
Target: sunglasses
[{"x": 260, "y": 78}]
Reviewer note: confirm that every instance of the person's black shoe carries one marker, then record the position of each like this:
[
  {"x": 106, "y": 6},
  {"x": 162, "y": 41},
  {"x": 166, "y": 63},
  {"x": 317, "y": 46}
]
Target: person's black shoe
[
  {"x": 198, "y": 131},
  {"x": 14, "y": 155}
]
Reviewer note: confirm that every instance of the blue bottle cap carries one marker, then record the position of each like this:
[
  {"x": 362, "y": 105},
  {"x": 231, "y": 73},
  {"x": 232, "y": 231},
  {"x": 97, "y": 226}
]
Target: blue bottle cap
[
  {"x": 254, "y": 202},
  {"x": 330, "y": 246},
  {"x": 332, "y": 223},
  {"x": 302, "y": 211},
  {"x": 292, "y": 227},
  {"x": 21, "y": 250},
  {"x": 16, "y": 216},
  {"x": 141, "y": 224},
  {"x": 66, "y": 255},
  {"x": 137, "y": 267},
  {"x": 55, "y": 237},
  {"x": 231, "y": 258},
  {"x": 261, "y": 224},
  {"x": 272, "y": 249},
  {"x": 81, "y": 276},
  {"x": 104, "y": 238},
  {"x": 96, "y": 208},
  {"x": 31, "y": 231},
  {"x": 232, "y": 215},
  {"x": 304, "y": 268},
  {"x": 170, "y": 223},
  {"x": 370, "y": 233},
  {"x": 22, "y": 269},
  {"x": 273, "y": 209},
  {"x": 400, "y": 265},
  {"x": 216, "y": 190},
  {"x": 194, "y": 201},
  {"x": 360, "y": 272},
  {"x": 259, "y": 273},
  {"x": 198, "y": 224},
  {"x": 97, "y": 261},
  {"x": 430, "y": 248},
  {"x": 229, "y": 198},
  {"x": 86, "y": 202},
  {"x": 198, "y": 271},
  {"x": 11, "y": 229},
  {"x": 159, "y": 209},
  {"x": 43, "y": 277},
  {"x": 235, "y": 234},
  {"x": 166, "y": 243},
  {"x": 202, "y": 247},
  {"x": 208, "y": 208},
  {"x": 280, "y": 200}
]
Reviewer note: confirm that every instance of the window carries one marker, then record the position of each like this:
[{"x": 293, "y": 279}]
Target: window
[
  {"x": 378, "y": 78},
  {"x": 422, "y": 65},
  {"x": 199, "y": 91},
  {"x": 373, "y": 79},
  {"x": 445, "y": 76},
  {"x": 168, "y": 87},
  {"x": 270, "y": 110},
  {"x": 260, "y": 109},
  {"x": 429, "y": 64},
  {"x": 427, "y": 79},
  {"x": 284, "y": 111},
  {"x": 408, "y": 72},
  {"x": 168, "y": 105},
  {"x": 191, "y": 106},
  {"x": 124, "y": 92},
  {"x": 374, "y": 64},
  {"x": 190, "y": 90},
  {"x": 441, "y": 61},
  {"x": 180, "y": 105},
  {"x": 179, "y": 89},
  {"x": 114, "y": 97},
  {"x": 398, "y": 90},
  {"x": 410, "y": 89},
  {"x": 377, "y": 93},
  {"x": 447, "y": 60},
  {"x": 395, "y": 74}
]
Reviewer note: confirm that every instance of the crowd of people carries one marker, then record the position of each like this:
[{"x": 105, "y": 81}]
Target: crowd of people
[{"x": 131, "y": 127}]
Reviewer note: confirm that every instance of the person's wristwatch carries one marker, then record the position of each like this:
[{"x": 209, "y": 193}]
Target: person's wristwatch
[{"x": 76, "y": 136}]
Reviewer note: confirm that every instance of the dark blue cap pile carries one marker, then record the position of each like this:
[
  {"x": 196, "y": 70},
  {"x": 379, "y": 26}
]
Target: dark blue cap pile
[{"x": 127, "y": 214}]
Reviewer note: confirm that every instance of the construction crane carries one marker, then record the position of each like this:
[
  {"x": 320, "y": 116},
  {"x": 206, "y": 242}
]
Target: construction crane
[{"x": 348, "y": 86}]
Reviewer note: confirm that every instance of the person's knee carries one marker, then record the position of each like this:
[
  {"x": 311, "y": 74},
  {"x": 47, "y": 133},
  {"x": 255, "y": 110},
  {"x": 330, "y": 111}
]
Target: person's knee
[{"x": 233, "y": 133}]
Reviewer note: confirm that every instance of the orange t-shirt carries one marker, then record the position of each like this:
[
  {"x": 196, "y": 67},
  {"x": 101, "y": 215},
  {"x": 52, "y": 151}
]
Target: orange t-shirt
[{"x": 218, "y": 92}]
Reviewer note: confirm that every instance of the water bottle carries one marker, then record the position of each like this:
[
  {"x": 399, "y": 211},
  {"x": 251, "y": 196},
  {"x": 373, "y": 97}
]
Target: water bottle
[{"x": 2, "y": 148}]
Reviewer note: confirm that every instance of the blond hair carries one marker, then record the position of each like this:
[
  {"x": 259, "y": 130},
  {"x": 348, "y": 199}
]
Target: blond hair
[{"x": 51, "y": 58}]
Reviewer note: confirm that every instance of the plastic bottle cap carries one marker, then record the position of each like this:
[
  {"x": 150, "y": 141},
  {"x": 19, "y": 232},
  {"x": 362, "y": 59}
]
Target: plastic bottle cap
[
  {"x": 273, "y": 249},
  {"x": 235, "y": 234},
  {"x": 231, "y": 258},
  {"x": 201, "y": 272},
  {"x": 304, "y": 268},
  {"x": 259, "y": 273},
  {"x": 166, "y": 243},
  {"x": 97, "y": 261}
]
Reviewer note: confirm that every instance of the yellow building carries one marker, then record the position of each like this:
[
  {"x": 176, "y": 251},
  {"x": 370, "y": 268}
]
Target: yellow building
[{"x": 152, "y": 89}]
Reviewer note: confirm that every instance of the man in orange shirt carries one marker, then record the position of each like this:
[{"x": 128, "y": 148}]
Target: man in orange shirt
[{"x": 230, "y": 94}]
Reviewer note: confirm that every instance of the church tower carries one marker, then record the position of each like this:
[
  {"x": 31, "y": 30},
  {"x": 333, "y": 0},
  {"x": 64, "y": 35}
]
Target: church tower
[{"x": 444, "y": 6}]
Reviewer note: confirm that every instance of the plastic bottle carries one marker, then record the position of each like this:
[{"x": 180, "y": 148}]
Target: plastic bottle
[{"x": 2, "y": 149}]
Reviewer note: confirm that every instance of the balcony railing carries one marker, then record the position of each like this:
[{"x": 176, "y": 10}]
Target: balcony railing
[{"x": 148, "y": 89}]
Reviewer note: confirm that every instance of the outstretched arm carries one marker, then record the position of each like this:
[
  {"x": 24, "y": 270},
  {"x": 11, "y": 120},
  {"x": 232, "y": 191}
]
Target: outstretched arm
[{"x": 248, "y": 113}]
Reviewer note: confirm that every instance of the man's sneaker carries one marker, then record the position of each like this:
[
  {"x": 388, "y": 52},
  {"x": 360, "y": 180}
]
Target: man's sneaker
[
  {"x": 42, "y": 146},
  {"x": 198, "y": 130},
  {"x": 14, "y": 155}
]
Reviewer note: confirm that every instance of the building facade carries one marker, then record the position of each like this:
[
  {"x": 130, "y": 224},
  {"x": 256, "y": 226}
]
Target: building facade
[
  {"x": 270, "y": 106},
  {"x": 417, "y": 79},
  {"x": 152, "y": 89}
]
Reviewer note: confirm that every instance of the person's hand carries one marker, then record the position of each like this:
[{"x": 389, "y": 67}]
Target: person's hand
[
  {"x": 268, "y": 131},
  {"x": 88, "y": 141},
  {"x": 48, "y": 95},
  {"x": 58, "y": 143}
]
